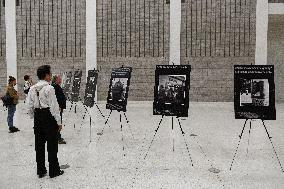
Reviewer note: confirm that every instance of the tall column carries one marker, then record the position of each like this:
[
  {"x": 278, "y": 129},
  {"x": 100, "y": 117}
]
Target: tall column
[
  {"x": 175, "y": 27},
  {"x": 11, "y": 43},
  {"x": 261, "y": 32},
  {"x": 91, "y": 36}
]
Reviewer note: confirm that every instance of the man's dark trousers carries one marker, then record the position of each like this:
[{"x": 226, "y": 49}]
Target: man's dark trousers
[
  {"x": 45, "y": 130},
  {"x": 59, "y": 134}
]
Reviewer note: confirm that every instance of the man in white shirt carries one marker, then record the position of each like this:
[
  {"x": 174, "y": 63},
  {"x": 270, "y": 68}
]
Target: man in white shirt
[{"x": 43, "y": 107}]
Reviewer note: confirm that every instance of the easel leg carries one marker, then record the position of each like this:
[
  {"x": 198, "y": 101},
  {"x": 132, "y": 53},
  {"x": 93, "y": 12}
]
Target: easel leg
[
  {"x": 75, "y": 108},
  {"x": 90, "y": 129},
  {"x": 102, "y": 132},
  {"x": 85, "y": 114},
  {"x": 183, "y": 134},
  {"x": 71, "y": 106},
  {"x": 69, "y": 112},
  {"x": 269, "y": 137},
  {"x": 108, "y": 117},
  {"x": 154, "y": 137},
  {"x": 99, "y": 110},
  {"x": 87, "y": 111},
  {"x": 249, "y": 136},
  {"x": 122, "y": 138},
  {"x": 240, "y": 136},
  {"x": 173, "y": 138},
  {"x": 128, "y": 125}
]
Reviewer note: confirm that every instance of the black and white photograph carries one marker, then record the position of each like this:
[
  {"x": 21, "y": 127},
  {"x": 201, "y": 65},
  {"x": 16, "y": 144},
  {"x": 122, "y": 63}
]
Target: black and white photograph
[
  {"x": 91, "y": 86},
  {"x": 118, "y": 89},
  {"x": 67, "y": 83},
  {"x": 75, "y": 92},
  {"x": 254, "y": 92},
  {"x": 172, "y": 90}
]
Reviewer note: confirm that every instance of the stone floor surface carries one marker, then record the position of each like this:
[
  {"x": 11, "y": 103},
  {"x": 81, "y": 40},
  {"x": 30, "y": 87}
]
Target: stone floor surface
[{"x": 107, "y": 162}]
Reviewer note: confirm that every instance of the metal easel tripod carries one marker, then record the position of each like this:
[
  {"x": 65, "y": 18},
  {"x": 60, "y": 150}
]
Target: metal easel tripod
[
  {"x": 182, "y": 132},
  {"x": 121, "y": 128},
  {"x": 86, "y": 111},
  {"x": 268, "y": 135}
]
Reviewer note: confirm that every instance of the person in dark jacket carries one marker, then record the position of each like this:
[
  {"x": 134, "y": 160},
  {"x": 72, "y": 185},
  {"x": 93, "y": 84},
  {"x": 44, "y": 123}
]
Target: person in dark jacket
[
  {"x": 12, "y": 107},
  {"x": 61, "y": 99}
]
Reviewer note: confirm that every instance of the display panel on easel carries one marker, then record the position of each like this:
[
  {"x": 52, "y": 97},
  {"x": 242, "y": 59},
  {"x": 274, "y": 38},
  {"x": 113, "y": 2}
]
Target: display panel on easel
[
  {"x": 171, "y": 93},
  {"x": 74, "y": 96},
  {"x": 118, "y": 89},
  {"x": 254, "y": 92},
  {"x": 91, "y": 86},
  {"x": 67, "y": 83}
]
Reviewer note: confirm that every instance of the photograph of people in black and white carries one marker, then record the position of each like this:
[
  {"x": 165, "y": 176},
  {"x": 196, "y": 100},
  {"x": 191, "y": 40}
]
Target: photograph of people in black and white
[
  {"x": 67, "y": 81},
  {"x": 90, "y": 90},
  {"x": 171, "y": 89},
  {"x": 76, "y": 86},
  {"x": 254, "y": 92},
  {"x": 91, "y": 87},
  {"x": 118, "y": 89}
]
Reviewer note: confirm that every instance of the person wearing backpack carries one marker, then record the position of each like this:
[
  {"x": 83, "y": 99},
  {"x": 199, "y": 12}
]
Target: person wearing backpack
[{"x": 14, "y": 97}]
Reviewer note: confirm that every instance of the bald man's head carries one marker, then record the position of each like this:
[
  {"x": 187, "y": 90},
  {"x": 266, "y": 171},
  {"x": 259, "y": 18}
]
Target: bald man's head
[{"x": 57, "y": 79}]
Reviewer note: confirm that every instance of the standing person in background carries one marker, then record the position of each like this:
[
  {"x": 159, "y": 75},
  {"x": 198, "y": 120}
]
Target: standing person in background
[
  {"x": 61, "y": 99},
  {"x": 13, "y": 94},
  {"x": 43, "y": 107},
  {"x": 28, "y": 84}
]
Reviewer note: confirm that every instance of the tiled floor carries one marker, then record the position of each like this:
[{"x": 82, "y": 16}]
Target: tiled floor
[{"x": 211, "y": 133}]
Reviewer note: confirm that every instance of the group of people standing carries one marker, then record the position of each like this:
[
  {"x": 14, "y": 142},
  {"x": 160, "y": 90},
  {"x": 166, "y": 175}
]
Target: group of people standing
[{"x": 45, "y": 102}]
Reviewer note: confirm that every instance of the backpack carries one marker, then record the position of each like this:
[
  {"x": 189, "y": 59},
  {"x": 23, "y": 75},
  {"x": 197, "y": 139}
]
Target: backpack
[{"x": 7, "y": 100}]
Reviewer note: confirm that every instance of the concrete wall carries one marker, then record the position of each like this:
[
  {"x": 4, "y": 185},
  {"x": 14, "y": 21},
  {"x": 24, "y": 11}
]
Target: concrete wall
[
  {"x": 216, "y": 35},
  {"x": 132, "y": 33},
  {"x": 276, "y": 52},
  {"x": 50, "y": 32},
  {"x": 3, "y": 69}
]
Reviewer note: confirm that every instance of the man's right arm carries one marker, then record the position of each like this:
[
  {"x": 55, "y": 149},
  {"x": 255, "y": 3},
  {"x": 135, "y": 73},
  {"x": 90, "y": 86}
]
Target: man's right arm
[{"x": 30, "y": 104}]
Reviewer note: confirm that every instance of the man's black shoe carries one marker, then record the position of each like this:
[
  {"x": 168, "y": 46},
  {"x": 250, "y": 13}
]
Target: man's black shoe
[
  {"x": 13, "y": 129},
  {"x": 41, "y": 175},
  {"x": 58, "y": 174},
  {"x": 61, "y": 141}
]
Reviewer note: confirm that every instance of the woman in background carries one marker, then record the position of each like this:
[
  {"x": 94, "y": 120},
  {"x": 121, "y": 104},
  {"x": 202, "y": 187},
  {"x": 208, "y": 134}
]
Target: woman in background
[{"x": 12, "y": 107}]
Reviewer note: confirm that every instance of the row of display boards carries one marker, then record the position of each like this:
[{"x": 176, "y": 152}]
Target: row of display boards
[
  {"x": 254, "y": 96},
  {"x": 254, "y": 90}
]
